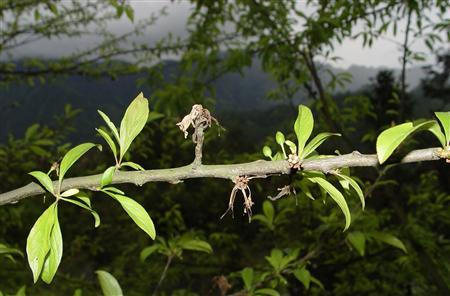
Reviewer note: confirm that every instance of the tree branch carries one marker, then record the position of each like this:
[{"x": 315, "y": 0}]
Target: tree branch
[{"x": 259, "y": 168}]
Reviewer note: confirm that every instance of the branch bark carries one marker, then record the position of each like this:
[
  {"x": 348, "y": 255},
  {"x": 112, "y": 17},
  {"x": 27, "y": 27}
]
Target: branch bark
[{"x": 259, "y": 168}]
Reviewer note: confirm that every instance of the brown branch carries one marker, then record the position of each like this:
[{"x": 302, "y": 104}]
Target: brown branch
[{"x": 259, "y": 168}]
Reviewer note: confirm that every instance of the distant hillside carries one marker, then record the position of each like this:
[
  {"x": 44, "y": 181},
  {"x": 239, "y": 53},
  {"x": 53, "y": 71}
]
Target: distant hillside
[{"x": 21, "y": 105}]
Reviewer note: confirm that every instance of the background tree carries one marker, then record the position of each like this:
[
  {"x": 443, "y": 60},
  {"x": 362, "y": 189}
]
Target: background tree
[{"x": 410, "y": 203}]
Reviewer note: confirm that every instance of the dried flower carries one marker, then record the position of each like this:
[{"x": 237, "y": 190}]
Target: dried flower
[{"x": 241, "y": 183}]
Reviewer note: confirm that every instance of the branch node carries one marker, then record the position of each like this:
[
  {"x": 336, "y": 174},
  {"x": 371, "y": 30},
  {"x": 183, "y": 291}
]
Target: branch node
[
  {"x": 294, "y": 161},
  {"x": 444, "y": 153}
]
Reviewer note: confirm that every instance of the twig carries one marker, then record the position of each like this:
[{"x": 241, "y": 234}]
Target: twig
[
  {"x": 163, "y": 275},
  {"x": 221, "y": 171}
]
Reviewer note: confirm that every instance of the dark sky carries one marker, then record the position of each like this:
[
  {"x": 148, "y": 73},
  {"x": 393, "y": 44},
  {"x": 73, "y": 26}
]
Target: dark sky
[{"x": 385, "y": 52}]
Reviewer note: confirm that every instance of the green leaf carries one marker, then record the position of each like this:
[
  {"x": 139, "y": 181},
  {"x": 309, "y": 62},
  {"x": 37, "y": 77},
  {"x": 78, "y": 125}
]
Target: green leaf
[
  {"x": 267, "y": 291},
  {"x": 152, "y": 116},
  {"x": 133, "y": 122},
  {"x": 70, "y": 192},
  {"x": 109, "y": 141},
  {"x": 291, "y": 146},
  {"x": 247, "y": 276},
  {"x": 268, "y": 210},
  {"x": 110, "y": 124},
  {"x": 86, "y": 207},
  {"x": 355, "y": 186},
  {"x": 391, "y": 138},
  {"x": 358, "y": 241},
  {"x": 55, "y": 254},
  {"x": 4, "y": 249},
  {"x": 107, "y": 176},
  {"x": 436, "y": 130},
  {"x": 129, "y": 12},
  {"x": 195, "y": 245},
  {"x": 84, "y": 197},
  {"x": 132, "y": 165},
  {"x": 304, "y": 276},
  {"x": 22, "y": 291},
  {"x": 335, "y": 195},
  {"x": 389, "y": 239},
  {"x": 303, "y": 127},
  {"x": 38, "y": 241},
  {"x": 44, "y": 179},
  {"x": 316, "y": 142},
  {"x": 317, "y": 282},
  {"x": 114, "y": 190},
  {"x": 444, "y": 118},
  {"x": 108, "y": 283},
  {"x": 136, "y": 212},
  {"x": 71, "y": 157},
  {"x": 78, "y": 292},
  {"x": 148, "y": 251}
]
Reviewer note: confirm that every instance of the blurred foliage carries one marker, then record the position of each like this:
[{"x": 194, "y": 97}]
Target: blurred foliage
[{"x": 294, "y": 246}]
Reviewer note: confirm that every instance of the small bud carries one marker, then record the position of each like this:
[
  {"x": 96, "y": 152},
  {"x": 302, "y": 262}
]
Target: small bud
[
  {"x": 267, "y": 152},
  {"x": 279, "y": 137}
]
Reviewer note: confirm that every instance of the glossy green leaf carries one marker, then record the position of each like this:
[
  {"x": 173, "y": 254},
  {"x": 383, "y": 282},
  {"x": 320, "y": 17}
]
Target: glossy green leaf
[
  {"x": 86, "y": 207},
  {"x": 54, "y": 256},
  {"x": 336, "y": 196},
  {"x": 391, "y": 138},
  {"x": 316, "y": 142},
  {"x": 303, "y": 127},
  {"x": 357, "y": 240},
  {"x": 444, "y": 119},
  {"x": 133, "y": 122},
  {"x": 84, "y": 198},
  {"x": 108, "y": 283},
  {"x": 110, "y": 124},
  {"x": 304, "y": 276},
  {"x": 146, "y": 252},
  {"x": 107, "y": 176},
  {"x": 70, "y": 192},
  {"x": 109, "y": 141},
  {"x": 44, "y": 179},
  {"x": 136, "y": 212},
  {"x": 389, "y": 239},
  {"x": 38, "y": 241},
  {"x": 356, "y": 187},
  {"x": 72, "y": 156},
  {"x": 247, "y": 275},
  {"x": 133, "y": 165}
]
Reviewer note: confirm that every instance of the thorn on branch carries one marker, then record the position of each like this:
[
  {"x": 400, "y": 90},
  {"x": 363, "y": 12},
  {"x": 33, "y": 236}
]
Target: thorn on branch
[
  {"x": 241, "y": 184},
  {"x": 200, "y": 118}
]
